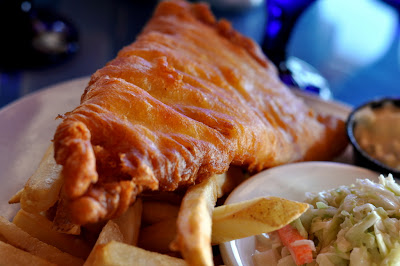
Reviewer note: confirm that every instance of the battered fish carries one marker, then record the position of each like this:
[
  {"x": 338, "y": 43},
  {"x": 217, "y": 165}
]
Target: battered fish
[{"x": 190, "y": 97}]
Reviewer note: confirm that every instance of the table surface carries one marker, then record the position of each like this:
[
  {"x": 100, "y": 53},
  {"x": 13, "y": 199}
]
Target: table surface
[{"x": 354, "y": 44}]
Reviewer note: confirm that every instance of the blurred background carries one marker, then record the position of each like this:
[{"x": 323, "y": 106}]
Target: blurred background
[{"x": 351, "y": 47}]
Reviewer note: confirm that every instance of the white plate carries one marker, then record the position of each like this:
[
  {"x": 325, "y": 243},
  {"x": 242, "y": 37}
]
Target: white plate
[
  {"x": 290, "y": 181},
  {"x": 27, "y": 126}
]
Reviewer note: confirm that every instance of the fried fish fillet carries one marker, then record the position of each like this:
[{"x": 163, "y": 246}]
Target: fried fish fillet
[{"x": 190, "y": 97}]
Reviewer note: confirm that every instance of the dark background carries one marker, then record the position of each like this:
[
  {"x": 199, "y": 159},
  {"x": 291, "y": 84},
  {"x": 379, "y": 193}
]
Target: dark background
[{"x": 354, "y": 44}]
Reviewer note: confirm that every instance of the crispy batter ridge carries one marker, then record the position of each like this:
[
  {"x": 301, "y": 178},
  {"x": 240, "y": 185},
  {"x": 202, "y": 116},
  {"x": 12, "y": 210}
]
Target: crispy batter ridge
[{"x": 187, "y": 99}]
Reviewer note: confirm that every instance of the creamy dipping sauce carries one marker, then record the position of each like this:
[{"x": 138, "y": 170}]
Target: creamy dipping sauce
[{"x": 377, "y": 131}]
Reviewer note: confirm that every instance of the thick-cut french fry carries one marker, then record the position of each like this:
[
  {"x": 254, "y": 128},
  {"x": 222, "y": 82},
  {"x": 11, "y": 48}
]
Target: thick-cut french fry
[
  {"x": 10, "y": 255},
  {"x": 158, "y": 236},
  {"x": 21, "y": 239},
  {"x": 39, "y": 227},
  {"x": 193, "y": 237},
  {"x": 62, "y": 223},
  {"x": 129, "y": 222},
  {"x": 109, "y": 233},
  {"x": 253, "y": 217},
  {"x": 43, "y": 187},
  {"x": 116, "y": 253},
  {"x": 156, "y": 211},
  {"x": 17, "y": 197}
]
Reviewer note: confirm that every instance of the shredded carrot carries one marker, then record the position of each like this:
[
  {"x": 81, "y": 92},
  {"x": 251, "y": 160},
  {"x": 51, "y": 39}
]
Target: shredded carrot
[{"x": 301, "y": 254}]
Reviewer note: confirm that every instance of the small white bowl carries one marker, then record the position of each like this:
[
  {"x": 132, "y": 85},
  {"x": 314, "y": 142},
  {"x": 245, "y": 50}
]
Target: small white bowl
[{"x": 289, "y": 181}]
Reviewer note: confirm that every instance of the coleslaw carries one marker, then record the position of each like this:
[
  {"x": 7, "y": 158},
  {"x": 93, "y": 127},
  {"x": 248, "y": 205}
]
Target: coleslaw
[{"x": 349, "y": 225}]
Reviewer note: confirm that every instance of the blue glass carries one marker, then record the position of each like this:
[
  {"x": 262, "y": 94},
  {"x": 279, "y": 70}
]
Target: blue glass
[{"x": 281, "y": 18}]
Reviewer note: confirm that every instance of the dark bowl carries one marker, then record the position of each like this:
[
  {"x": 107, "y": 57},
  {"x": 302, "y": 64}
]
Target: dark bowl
[{"x": 360, "y": 156}]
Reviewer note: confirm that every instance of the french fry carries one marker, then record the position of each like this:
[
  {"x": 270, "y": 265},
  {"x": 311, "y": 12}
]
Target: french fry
[
  {"x": 62, "y": 223},
  {"x": 109, "y": 233},
  {"x": 17, "y": 197},
  {"x": 193, "y": 237},
  {"x": 253, "y": 217},
  {"x": 156, "y": 211},
  {"x": 157, "y": 237},
  {"x": 39, "y": 227},
  {"x": 117, "y": 253},
  {"x": 21, "y": 239},
  {"x": 194, "y": 223},
  {"x": 10, "y": 255},
  {"x": 42, "y": 189},
  {"x": 129, "y": 222}
]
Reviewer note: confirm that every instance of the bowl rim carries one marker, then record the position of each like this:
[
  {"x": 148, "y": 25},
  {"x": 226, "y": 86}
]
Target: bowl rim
[{"x": 350, "y": 123}]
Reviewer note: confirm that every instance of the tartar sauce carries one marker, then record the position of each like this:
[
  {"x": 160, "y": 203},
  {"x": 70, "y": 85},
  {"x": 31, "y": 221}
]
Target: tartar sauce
[{"x": 377, "y": 131}]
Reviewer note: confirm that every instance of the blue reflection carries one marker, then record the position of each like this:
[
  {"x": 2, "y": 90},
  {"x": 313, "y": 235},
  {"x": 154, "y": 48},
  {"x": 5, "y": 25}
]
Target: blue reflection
[
  {"x": 354, "y": 44},
  {"x": 274, "y": 28},
  {"x": 59, "y": 26},
  {"x": 26, "y": 6}
]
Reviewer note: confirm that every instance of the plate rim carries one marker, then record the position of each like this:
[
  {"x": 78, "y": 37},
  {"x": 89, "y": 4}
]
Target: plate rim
[{"x": 40, "y": 92}]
